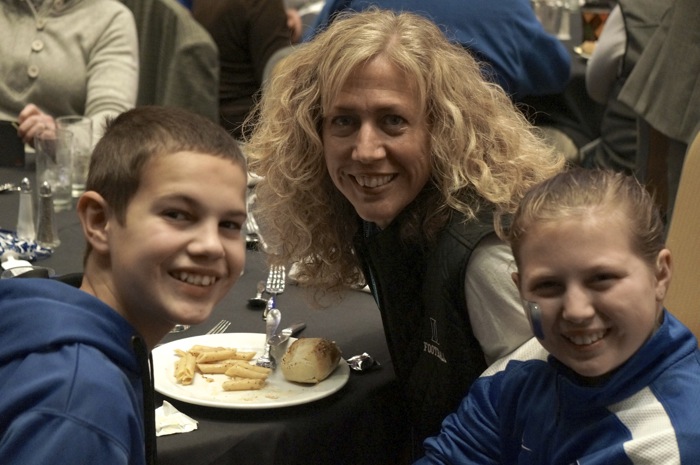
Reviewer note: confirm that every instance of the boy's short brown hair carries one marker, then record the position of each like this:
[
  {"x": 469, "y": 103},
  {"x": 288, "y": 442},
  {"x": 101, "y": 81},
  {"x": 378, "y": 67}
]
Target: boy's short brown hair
[{"x": 134, "y": 137}]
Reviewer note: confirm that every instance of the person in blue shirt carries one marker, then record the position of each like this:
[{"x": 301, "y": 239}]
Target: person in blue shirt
[
  {"x": 506, "y": 35},
  {"x": 162, "y": 216},
  {"x": 618, "y": 381}
]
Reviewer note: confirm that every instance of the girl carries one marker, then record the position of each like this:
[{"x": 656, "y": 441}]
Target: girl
[{"x": 620, "y": 382}]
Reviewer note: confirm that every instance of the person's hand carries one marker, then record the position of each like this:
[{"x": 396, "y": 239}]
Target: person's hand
[
  {"x": 33, "y": 121},
  {"x": 294, "y": 24}
]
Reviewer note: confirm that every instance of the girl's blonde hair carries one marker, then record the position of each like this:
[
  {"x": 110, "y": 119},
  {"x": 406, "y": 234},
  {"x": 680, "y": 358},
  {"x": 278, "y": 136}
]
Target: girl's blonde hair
[
  {"x": 581, "y": 192},
  {"x": 484, "y": 152}
]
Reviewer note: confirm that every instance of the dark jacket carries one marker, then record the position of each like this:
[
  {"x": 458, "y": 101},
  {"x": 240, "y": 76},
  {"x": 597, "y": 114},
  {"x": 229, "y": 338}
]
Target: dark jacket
[{"x": 421, "y": 296}]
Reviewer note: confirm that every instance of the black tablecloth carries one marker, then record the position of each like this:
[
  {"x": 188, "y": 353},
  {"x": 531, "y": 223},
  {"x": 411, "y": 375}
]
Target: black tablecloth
[{"x": 363, "y": 423}]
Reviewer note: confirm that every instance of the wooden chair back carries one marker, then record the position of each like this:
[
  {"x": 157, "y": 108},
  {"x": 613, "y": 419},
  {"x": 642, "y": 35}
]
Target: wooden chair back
[{"x": 683, "y": 299}]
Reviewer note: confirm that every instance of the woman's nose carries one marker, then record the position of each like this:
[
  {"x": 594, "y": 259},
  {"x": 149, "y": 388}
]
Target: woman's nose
[{"x": 368, "y": 145}]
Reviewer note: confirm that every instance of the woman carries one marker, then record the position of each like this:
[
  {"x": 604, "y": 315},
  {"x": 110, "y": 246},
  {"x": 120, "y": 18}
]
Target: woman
[{"x": 388, "y": 160}]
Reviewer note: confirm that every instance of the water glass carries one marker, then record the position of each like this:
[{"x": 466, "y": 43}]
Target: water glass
[
  {"x": 53, "y": 165},
  {"x": 81, "y": 128},
  {"x": 549, "y": 14}
]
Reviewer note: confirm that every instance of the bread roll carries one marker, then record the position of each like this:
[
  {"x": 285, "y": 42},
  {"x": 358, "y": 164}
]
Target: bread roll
[
  {"x": 310, "y": 360},
  {"x": 588, "y": 47}
]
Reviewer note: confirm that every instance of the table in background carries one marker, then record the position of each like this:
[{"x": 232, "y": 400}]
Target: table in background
[{"x": 363, "y": 423}]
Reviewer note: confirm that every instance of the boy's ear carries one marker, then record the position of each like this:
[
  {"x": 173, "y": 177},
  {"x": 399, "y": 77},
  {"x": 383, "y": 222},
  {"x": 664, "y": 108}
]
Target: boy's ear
[
  {"x": 663, "y": 274},
  {"x": 95, "y": 214}
]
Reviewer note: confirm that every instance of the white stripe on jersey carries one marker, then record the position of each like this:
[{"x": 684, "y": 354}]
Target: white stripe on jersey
[{"x": 653, "y": 440}]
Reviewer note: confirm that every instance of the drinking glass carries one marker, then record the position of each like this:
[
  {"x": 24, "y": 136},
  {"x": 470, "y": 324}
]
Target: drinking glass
[
  {"x": 81, "y": 128},
  {"x": 53, "y": 165}
]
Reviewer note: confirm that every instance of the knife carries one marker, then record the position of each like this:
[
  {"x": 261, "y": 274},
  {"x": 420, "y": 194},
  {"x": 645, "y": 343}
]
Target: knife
[{"x": 286, "y": 333}]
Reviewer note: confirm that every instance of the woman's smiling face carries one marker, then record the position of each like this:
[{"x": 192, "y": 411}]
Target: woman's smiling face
[
  {"x": 599, "y": 300},
  {"x": 376, "y": 142}
]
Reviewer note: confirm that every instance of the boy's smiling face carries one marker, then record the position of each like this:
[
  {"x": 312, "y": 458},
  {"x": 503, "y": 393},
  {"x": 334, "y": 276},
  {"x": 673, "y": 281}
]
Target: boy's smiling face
[{"x": 180, "y": 248}]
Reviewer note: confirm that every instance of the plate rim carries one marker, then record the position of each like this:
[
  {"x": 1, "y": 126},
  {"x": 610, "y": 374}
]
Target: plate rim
[{"x": 167, "y": 351}]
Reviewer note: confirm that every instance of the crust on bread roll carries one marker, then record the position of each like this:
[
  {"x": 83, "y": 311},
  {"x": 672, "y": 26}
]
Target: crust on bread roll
[{"x": 310, "y": 360}]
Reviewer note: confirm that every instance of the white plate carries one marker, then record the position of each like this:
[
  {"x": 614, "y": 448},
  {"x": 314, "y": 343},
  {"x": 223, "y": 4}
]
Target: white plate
[{"x": 277, "y": 392}]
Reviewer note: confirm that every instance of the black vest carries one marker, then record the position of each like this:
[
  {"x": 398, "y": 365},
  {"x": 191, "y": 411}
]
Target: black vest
[{"x": 421, "y": 296}]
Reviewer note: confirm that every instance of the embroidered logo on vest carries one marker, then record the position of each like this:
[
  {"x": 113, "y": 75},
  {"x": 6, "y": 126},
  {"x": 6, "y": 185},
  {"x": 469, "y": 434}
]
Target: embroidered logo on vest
[
  {"x": 433, "y": 329},
  {"x": 433, "y": 349}
]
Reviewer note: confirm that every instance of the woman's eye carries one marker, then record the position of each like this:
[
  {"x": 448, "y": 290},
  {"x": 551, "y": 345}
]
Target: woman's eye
[
  {"x": 341, "y": 121},
  {"x": 394, "y": 120},
  {"x": 342, "y": 126}
]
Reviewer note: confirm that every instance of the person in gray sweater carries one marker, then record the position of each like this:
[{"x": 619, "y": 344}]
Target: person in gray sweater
[{"x": 66, "y": 57}]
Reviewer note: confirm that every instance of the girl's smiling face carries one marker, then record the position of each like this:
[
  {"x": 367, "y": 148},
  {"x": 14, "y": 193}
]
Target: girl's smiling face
[{"x": 599, "y": 299}]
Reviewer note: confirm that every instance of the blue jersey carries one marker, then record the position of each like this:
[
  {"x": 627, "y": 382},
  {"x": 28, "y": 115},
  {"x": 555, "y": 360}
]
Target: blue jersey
[{"x": 540, "y": 412}]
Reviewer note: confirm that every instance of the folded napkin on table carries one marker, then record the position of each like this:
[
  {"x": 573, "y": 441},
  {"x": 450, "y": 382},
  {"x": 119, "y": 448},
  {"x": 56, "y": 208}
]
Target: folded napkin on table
[
  {"x": 170, "y": 421},
  {"x": 11, "y": 245}
]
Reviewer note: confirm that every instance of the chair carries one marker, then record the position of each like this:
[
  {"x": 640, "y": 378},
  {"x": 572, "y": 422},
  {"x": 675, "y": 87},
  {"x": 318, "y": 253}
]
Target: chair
[
  {"x": 659, "y": 163},
  {"x": 179, "y": 61},
  {"x": 683, "y": 299}
]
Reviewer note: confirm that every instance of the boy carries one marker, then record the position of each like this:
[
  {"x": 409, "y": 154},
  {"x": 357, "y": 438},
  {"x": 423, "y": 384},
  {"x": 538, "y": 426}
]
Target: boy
[{"x": 162, "y": 216}]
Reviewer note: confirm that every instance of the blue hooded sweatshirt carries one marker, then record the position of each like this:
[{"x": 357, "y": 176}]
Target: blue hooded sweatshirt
[{"x": 71, "y": 371}]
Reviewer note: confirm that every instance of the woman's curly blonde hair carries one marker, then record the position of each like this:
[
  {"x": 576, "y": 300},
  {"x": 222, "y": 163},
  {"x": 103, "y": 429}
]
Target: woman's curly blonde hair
[{"x": 484, "y": 153}]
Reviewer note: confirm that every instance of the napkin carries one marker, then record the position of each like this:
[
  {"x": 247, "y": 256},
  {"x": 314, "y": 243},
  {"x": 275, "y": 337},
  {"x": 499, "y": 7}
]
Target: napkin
[
  {"x": 170, "y": 420},
  {"x": 13, "y": 246}
]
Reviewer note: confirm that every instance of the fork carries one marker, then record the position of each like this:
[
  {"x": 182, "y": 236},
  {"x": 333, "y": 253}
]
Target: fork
[
  {"x": 275, "y": 280},
  {"x": 274, "y": 285},
  {"x": 220, "y": 327}
]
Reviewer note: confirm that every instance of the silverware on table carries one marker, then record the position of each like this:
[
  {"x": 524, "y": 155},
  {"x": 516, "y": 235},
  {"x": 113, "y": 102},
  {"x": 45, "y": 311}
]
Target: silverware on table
[
  {"x": 253, "y": 238},
  {"x": 286, "y": 333},
  {"x": 272, "y": 321},
  {"x": 258, "y": 302},
  {"x": 274, "y": 285},
  {"x": 220, "y": 327},
  {"x": 9, "y": 187}
]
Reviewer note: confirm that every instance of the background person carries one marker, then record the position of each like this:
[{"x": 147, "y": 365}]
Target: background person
[
  {"x": 625, "y": 35},
  {"x": 620, "y": 383},
  {"x": 162, "y": 215},
  {"x": 247, "y": 33},
  {"x": 520, "y": 55},
  {"x": 66, "y": 57},
  {"x": 387, "y": 159}
]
